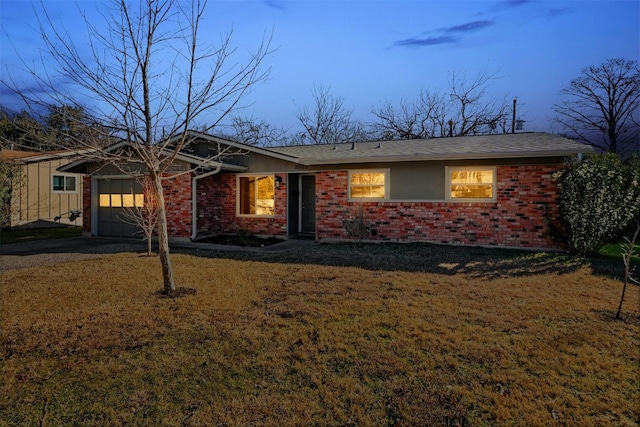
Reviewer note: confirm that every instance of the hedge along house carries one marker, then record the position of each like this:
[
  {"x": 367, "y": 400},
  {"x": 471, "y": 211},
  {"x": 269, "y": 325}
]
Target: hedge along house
[{"x": 493, "y": 190}]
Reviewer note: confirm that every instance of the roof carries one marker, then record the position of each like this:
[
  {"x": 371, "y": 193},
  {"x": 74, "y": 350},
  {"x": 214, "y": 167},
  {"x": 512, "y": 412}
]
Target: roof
[
  {"x": 203, "y": 162},
  {"x": 501, "y": 146},
  {"x": 518, "y": 145},
  {"x": 35, "y": 156}
]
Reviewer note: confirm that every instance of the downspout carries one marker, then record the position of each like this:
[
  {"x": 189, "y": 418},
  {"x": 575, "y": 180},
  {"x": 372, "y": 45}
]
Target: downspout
[{"x": 194, "y": 200}]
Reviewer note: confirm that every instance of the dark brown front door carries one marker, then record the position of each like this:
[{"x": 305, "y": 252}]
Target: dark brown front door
[{"x": 308, "y": 204}]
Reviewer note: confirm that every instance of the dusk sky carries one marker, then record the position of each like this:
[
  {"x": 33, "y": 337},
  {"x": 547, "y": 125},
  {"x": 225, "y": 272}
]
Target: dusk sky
[{"x": 369, "y": 52}]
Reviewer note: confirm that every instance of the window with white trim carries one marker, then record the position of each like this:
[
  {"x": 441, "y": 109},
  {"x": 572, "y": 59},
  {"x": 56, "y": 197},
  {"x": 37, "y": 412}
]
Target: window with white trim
[
  {"x": 63, "y": 183},
  {"x": 471, "y": 183},
  {"x": 256, "y": 195},
  {"x": 369, "y": 184}
]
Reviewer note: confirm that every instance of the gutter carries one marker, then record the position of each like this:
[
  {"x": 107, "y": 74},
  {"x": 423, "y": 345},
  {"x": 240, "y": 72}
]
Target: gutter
[{"x": 194, "y": 200}]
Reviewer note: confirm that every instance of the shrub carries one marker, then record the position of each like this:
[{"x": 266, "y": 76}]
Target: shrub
[
  {"x": 10, "y": 180},
  {"x": 599, "y": 198},
  {"x": 358, "y": 226}
]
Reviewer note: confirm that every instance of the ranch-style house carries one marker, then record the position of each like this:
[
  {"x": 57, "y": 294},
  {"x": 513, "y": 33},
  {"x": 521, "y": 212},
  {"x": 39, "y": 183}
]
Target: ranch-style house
[{"x": 493, "y": 190}]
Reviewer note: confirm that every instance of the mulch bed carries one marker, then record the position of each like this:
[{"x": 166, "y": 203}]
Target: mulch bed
[{"x": 236, "y": 240}]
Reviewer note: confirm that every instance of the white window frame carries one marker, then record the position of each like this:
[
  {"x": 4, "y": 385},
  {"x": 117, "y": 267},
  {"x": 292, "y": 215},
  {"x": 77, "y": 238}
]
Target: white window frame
[
  {"x": 450, "y": 169},
  {"x": 65, "y": 176},
  {"x": 249, "y": 175},
  {"x": 387, "y": 185}
]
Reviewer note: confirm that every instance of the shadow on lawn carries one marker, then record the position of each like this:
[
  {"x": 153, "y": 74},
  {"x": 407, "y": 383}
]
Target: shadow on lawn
[{"x": 481, "y": 263}]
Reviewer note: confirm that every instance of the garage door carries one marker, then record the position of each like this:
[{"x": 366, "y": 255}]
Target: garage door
[{"x": 115, "y": 196}]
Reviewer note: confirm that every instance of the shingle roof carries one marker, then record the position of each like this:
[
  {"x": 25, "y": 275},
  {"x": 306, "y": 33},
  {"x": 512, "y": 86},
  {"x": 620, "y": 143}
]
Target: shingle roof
[
  {"x": 34, "y": 156},
  {"x": 519, "y": 145}
]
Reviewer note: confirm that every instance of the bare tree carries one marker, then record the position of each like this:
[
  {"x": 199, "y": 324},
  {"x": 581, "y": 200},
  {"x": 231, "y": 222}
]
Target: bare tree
[
  {"x": 601, "y": 106},
  {"x": 249, "y": 131},
  {"x": 476, "y": 113},
  {"x": 142, "y": 211},
  {"x": 330, "y": 121},
  {"x": 153, "y": 77},
  {"x": 467, "y": 109},
  {"x": 424, "y": 118}
]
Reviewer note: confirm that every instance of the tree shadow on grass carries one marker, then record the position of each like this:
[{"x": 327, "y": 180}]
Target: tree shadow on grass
[{"x": 475, "y": 262}]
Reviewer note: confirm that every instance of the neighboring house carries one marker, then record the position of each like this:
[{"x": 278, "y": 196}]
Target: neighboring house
[
  {"x": 494, "y": 190},
  {"x": 40, "y": 192}
]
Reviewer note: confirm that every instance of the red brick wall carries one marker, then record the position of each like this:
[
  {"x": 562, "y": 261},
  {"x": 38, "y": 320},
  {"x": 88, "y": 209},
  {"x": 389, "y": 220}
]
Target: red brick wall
[
  {"x": 177, "y": 199},
  {"x": 217, "y": 209},
  {"x": 524, "y": 195}
]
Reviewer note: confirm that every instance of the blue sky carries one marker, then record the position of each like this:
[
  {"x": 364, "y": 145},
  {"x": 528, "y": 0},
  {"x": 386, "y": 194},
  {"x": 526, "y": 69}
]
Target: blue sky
[{"x": 369, "y": 51}]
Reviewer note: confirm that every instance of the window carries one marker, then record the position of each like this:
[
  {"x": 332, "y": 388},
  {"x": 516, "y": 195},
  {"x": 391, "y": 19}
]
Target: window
[
  {"x": 256, "y": 195},
  {"x": 121, "y": 200},
  {"x": 369, "y": 184},
  {"x": 64, "y": 183},
  {"x": 471, "y": 183}
]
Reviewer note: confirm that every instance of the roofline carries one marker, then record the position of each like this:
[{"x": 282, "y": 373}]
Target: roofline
[
  {"x": 241, "y": 146},
  {"x": 38, "y": 156},
  {"x": 441, "y": 157}
]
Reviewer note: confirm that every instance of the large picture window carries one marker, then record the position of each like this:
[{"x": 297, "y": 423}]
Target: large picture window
[
  {"x": 472, "y": 183},
  {"x": 65, "y": 183},
  {"x": 369, "y": 184},
  {"x": 256, "y": 195}
]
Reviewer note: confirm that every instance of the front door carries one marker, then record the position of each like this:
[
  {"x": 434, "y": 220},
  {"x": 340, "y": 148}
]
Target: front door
[{"x": 308, "y": 204}]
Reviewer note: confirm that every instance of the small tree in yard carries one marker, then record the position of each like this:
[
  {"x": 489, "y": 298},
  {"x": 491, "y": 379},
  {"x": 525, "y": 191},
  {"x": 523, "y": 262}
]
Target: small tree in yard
[
  {"x": 143, "y": 213},
  {"x": 628, "y": 252},
  {"x": 599, "y": 198},
  {"x": 154, "y": 77}
]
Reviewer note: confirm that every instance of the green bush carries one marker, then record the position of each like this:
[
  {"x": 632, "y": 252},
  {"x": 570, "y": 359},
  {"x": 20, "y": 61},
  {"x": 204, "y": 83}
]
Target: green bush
[
  {"x": 9, "y": 180},
  {"x": 599, "y": 198}
]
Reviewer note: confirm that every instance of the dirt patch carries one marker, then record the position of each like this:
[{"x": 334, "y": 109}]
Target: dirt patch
[{"x": 179, "y": 292}]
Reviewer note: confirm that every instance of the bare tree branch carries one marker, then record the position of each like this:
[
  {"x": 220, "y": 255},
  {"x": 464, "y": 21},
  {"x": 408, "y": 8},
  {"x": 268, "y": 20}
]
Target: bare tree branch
[
  {"x": 151, "y": 77},
  {"x": 602, "y": 106}
]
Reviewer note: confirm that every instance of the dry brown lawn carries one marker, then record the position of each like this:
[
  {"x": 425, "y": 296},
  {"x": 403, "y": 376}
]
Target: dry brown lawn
[{"x": 273, "y": 343}]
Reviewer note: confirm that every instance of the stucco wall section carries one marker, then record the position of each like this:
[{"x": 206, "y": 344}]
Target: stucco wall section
[
  {"x": 526, "y": 197},
  {"x": 216, "y": 197}
]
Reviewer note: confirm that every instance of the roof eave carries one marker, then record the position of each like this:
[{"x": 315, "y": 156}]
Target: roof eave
[
  {"x": 250, "y": 148},
  {"x": 445, "y": 157}
]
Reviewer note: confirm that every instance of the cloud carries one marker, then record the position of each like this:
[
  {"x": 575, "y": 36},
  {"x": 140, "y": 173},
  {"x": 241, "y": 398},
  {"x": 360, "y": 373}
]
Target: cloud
[
  {"x": 510, "y": 4},
  {"x": 469, "y": 26},
  {"x": 555, "y": 11},
  {"x": 445, "y": 36},
  {"x": 429, "y": 41},
  {"x": 274, "y": 4}
]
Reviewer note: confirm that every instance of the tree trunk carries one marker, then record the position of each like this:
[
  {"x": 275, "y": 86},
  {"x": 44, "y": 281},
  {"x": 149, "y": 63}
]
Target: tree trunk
[{"x": 163, "y": 239}]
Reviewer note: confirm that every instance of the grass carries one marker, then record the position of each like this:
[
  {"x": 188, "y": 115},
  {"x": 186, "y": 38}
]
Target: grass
[
  {"x": 613, "y": 250},
  {"x": 28, "y": 234},
  {"x": 465, "y": 337}
]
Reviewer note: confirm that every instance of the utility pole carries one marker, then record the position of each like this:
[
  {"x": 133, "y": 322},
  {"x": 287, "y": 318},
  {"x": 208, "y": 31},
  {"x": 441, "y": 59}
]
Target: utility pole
[{"x": 513, "y": 118}]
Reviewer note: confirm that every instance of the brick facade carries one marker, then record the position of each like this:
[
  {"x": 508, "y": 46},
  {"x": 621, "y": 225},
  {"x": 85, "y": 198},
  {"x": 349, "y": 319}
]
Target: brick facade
[
  {"x": 526, "y": 197},
  {"x": 177, "y": 195},
  {"x": 216, "y": 197}
]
